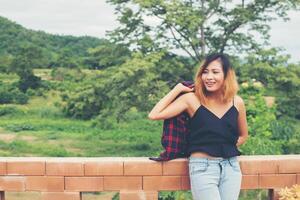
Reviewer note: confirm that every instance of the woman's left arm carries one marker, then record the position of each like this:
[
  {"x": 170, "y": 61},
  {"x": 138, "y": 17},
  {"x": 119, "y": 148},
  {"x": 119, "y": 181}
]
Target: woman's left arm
[{"x": 242, "y": 122}]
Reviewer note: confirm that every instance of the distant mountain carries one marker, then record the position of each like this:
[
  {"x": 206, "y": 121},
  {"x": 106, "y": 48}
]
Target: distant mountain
[{"x": 53, "y": 47}]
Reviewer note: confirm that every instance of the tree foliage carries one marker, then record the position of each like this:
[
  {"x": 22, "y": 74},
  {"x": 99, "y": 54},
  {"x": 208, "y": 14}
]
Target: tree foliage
[
  {"x": 136, "y": 84},
  {"x": 197, "y": 26},
  {"x": 133, "y": 84},
  {"x": 23, "y": 65},
  {"x": 107, "y": 55},
  {"x": 280, "y": 78}
]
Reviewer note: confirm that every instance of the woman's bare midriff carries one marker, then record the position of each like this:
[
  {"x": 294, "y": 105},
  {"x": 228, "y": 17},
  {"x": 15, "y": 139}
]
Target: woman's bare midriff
[{"x": 202, "y": 155}]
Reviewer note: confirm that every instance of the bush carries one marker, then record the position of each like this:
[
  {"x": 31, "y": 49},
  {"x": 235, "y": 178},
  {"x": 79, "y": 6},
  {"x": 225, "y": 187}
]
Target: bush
[
  {"x": 29, "y": 81},
  {"x": 82, "y": 105},
  {"x": 5, "y": 96},
  {"x": 9, "y": 94},
  {"x": 260, "y": 145},
  {"x": 20, "y": 98},
  {"x": 9, "y": 110}
]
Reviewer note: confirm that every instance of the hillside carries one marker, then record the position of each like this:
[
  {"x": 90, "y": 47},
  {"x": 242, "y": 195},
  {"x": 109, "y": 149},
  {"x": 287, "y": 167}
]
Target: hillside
[{"x": 14, "y": 36}]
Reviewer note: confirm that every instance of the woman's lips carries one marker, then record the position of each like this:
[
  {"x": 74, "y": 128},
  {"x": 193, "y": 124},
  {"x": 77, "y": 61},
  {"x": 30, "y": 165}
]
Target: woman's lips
[{"x": 210, "y": 84}]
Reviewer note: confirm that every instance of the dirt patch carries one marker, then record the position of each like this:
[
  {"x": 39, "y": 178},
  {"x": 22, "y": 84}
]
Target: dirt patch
[
  {"x": 6, "y": 137},
  {"x": 73, "y": 149},
  {"x": 28, "y": 138}
]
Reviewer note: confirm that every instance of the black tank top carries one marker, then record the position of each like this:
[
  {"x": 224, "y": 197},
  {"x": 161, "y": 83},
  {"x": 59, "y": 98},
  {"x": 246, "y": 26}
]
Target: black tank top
[{"x": 213, "y": 135}]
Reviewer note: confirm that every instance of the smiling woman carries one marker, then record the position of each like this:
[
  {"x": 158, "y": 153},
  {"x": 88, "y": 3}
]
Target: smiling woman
[{"x": 217, "y": 127}]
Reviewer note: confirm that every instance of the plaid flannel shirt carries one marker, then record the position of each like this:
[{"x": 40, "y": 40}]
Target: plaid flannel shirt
[{"x": 174, "y": 135}]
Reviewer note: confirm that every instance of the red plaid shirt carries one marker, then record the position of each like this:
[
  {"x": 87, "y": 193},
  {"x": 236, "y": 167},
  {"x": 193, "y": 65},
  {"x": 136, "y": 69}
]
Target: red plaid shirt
[{"x": 174, "y": 135}]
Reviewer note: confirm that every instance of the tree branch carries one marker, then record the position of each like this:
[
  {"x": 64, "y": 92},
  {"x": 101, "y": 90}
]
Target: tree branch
[{"x": 182, "y": 46}]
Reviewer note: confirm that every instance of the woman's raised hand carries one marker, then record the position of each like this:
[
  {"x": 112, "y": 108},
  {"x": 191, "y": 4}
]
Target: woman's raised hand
[{"x": 181, "y": 88}]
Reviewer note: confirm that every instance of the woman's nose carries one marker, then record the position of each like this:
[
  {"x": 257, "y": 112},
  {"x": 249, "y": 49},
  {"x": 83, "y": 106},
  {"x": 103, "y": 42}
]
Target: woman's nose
[{"x": 209, "y": 76}]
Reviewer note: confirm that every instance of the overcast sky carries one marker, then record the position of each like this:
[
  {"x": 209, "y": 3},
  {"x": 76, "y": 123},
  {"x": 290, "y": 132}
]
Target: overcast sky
[{"x": 95, "y": 17}]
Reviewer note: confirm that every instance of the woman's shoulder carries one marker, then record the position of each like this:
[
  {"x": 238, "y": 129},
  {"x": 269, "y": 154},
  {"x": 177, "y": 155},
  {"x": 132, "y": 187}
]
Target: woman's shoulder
[
  {"x": 192, "y": 102},
  {"x": 239, "y": 102},
  {"x": 190, "y": 97}
]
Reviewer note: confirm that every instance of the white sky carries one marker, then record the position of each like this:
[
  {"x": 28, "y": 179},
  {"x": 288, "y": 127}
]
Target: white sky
[{"x": 95, "y": 17}]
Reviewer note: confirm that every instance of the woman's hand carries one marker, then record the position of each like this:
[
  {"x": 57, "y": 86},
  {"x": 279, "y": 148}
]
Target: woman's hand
[
  {"x": 241, "y": 140},
  {"x": 181, "y": 88}
]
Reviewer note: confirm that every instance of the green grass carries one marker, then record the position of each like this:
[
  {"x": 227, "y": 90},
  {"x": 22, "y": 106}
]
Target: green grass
[
  {"x": 56, "y": 135},
  {"x": 8, "y": 78}
]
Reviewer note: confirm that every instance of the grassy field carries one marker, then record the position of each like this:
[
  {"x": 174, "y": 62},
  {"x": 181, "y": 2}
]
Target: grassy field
[{"x": 40, "y": 129}]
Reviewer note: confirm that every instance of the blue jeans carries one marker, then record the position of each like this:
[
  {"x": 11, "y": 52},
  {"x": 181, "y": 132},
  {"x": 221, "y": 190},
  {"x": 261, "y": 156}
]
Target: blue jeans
[{"x": 215, "y": 179}]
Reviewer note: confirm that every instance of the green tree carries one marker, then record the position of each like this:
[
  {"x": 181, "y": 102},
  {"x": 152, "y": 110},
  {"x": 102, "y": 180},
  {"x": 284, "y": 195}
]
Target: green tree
[
  {"x": 117, "y": 89},
  {"x": 197, "y": 26},
  {"x": 107, "y": 55},
  {"x": 260, "y": 119},
  {"x": 66, "y": 59},
  {"x": 23, "y": 65},
  {"x": 280, "y": 78},
  {"x": 5, "y": 61}
]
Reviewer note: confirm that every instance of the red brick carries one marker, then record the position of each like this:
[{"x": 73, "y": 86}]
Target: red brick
[
  {"x": 84, "y": 184},
  {"x": 185, "y": 183},
  {"x": 61, "y": 196},
  {"x": 103, "y": 168},
  {"x": 176, "y": 167},
  {"x": 289, "y": 166},
  {"x": 138, "y": 195},
  {"x": 162, "y": 183},
  {"x": 122, "y": 183},
  {"x": 277, "y": 180},
  {"x": 12, "y": 183},
  {"x": 144, "y": 167},
  {"x": 253, "y": 166},
  {"x": 250, "y": 182},
  {"x": 45, "y": 183},
  {"x": 60, "y": 168},
  {"x": 25, "y": 167},
  {"x": 2, "y": 167}
]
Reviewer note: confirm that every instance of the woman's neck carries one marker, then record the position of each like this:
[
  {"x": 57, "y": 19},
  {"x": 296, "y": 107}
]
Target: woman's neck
[{"x": 215, "y": 97}]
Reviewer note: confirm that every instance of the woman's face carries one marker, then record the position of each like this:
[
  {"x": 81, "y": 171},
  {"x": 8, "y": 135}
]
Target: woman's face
[{"x": 213, "y": 76}]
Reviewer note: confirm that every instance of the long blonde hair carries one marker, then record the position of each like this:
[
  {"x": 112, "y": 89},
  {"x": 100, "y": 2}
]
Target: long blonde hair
[{"x": 230, "y": 86}]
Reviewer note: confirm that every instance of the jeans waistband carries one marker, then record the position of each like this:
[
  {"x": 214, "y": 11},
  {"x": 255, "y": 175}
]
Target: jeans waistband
[{"x": 212, "y": 160}]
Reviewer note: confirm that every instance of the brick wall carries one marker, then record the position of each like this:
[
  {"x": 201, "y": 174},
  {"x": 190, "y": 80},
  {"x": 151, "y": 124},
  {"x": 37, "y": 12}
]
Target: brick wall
[{"x": 134, "y": 178}]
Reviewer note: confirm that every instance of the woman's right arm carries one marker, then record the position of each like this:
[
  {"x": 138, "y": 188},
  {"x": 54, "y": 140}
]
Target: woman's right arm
[{"x": 166, "y": 109}]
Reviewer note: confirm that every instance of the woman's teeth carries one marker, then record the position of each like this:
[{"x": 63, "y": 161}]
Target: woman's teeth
[{"x": 210, "y": 84}]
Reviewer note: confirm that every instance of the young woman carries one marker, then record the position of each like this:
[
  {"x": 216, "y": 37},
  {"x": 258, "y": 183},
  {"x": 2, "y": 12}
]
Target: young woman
[{"x": 217, "y": 127}]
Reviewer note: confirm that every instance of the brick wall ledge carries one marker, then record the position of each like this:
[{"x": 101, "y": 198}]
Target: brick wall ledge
[{"x": 136, "y": 178}]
